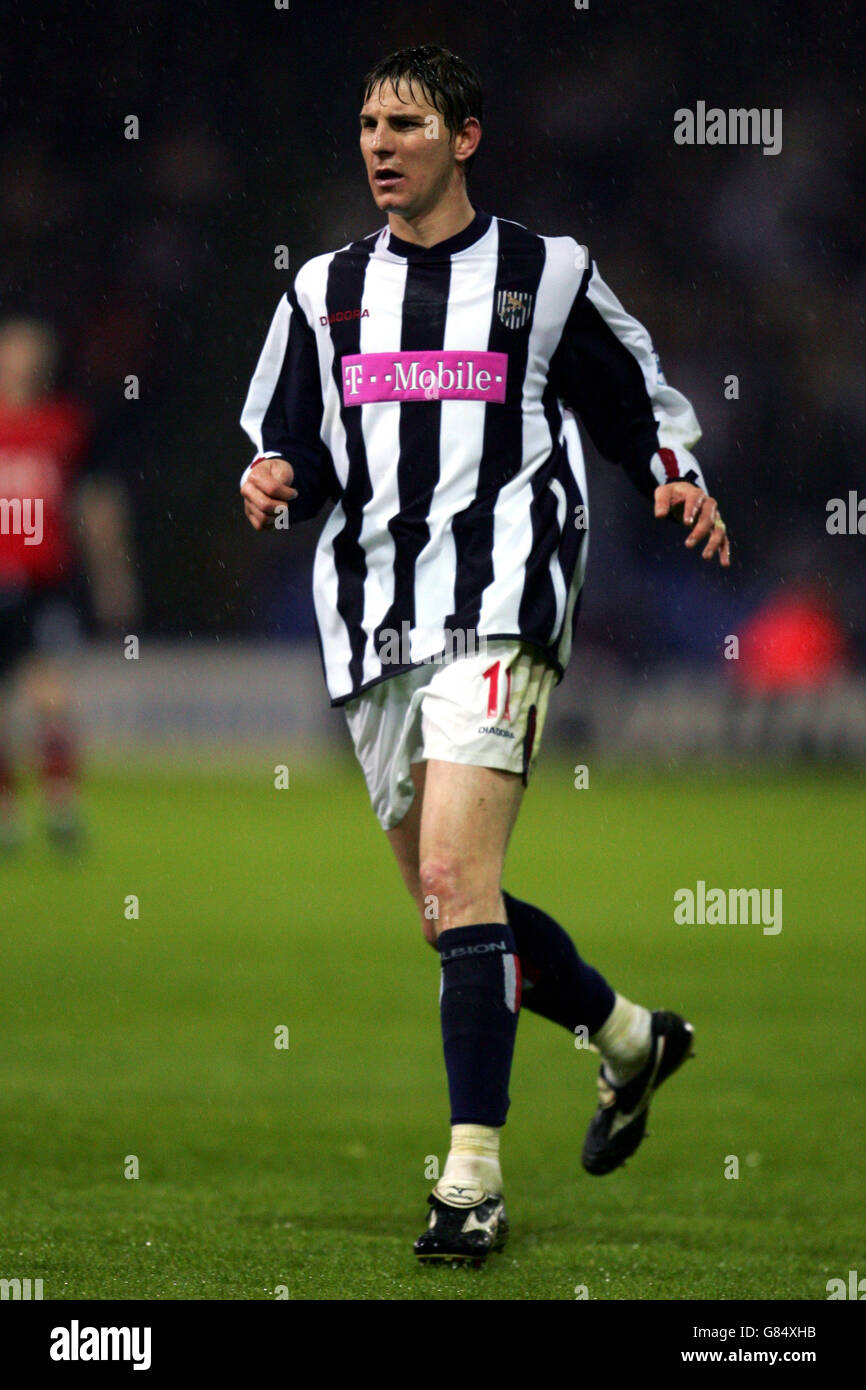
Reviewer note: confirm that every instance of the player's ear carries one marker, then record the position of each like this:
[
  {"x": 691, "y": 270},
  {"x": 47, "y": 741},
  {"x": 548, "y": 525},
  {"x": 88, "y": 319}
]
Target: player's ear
[
  {"x": 471, "y": 132},
  {"x": 465, "y": 142}
]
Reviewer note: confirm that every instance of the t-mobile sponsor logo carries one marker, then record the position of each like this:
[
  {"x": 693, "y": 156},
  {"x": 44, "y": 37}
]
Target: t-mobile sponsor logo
[{"x": 424, "y": 376}]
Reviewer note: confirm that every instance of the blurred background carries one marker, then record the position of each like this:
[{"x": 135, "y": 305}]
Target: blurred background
[{"x": 154, "y": 257}]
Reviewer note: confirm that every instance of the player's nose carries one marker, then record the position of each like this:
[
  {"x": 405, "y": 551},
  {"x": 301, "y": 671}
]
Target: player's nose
[{"x": 378, "y": 139}]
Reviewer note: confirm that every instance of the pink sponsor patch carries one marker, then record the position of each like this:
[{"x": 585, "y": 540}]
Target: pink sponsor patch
[{"x": 424, "y": 376}]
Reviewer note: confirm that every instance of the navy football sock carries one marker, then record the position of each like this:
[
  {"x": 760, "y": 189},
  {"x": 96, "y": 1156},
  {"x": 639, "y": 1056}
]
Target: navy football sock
[
  {"x": 479, "y": 1004},
  {"x": 556, "y": 983}
]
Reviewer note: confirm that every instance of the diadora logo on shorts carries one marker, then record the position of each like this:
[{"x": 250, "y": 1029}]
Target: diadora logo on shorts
[
  {"x": 343, "y": 316},
  {"x": 424, "y": 376},
  {"x": 492, "y": 729}
]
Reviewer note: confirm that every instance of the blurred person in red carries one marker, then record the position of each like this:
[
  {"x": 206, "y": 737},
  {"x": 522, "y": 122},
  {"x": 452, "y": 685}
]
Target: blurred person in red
[
  {"x": 792, "y": 643},
  {"x": 56, "y": 513},
  {"x": 793, "y": 654}
]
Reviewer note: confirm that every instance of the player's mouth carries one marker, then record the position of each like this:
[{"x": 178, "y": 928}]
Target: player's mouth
[{"x": 387, "y": 178}]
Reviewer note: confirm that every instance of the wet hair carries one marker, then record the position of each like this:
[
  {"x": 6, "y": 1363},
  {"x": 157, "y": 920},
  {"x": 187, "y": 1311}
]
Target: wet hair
[{"x": 449, "y": 84}]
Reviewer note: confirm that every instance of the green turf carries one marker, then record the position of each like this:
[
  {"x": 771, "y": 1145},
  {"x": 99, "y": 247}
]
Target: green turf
[{"x": 305, "y": 1168}]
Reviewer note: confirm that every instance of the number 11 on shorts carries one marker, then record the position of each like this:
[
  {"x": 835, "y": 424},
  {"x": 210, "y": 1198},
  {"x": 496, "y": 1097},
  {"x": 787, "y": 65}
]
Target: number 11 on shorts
[{"x": 492, "y": 675}]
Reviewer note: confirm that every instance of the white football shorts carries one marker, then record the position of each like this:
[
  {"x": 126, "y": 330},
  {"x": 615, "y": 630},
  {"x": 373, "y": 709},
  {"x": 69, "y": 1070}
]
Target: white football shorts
[{"x": 487, "y": 709}]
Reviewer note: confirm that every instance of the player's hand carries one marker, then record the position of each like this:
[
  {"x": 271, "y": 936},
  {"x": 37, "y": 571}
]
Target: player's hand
[
  {"x": 689, "y": 504},
  {"x": 267, "y": 490}
]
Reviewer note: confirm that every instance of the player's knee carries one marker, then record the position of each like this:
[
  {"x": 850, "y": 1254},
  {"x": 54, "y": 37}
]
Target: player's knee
[
  {"x": 450, "y": 888},
  {"x": 441, "y": 879}
]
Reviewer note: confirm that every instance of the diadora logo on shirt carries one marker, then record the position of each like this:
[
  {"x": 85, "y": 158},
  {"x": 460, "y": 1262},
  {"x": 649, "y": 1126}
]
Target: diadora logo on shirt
[
  {"x": 343, "y": 316},
  {"x": 424, "y": 376}
]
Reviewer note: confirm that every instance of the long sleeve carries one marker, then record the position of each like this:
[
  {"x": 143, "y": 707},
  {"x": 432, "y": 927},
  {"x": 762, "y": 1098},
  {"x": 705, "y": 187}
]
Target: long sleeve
[
  {"x": 283, "y": 410},
  {"x": 606, "y": 370}
]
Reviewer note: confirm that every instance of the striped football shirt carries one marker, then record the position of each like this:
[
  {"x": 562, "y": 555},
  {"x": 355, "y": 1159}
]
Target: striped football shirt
[{"x": 427, "y": 396}]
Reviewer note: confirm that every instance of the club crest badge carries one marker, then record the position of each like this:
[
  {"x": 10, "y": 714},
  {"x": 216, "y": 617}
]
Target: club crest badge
[{"x": 514, "y": 307}]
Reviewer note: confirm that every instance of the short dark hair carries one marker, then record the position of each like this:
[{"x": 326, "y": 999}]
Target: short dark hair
[{"x": 449, "y": 83}]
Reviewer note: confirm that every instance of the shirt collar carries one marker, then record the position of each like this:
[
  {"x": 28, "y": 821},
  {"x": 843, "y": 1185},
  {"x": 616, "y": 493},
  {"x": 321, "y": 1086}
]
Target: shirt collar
[{"x": 471, "y": 233}]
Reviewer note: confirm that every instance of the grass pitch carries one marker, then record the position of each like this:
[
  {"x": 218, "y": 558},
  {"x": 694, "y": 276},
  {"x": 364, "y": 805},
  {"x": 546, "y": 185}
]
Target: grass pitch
[{"x": 263, "y": 1168}]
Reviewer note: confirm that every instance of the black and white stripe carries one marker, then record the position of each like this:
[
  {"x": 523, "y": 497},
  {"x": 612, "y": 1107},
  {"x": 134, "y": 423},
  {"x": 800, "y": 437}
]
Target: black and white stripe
[{"x": 457, "y": 514}]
